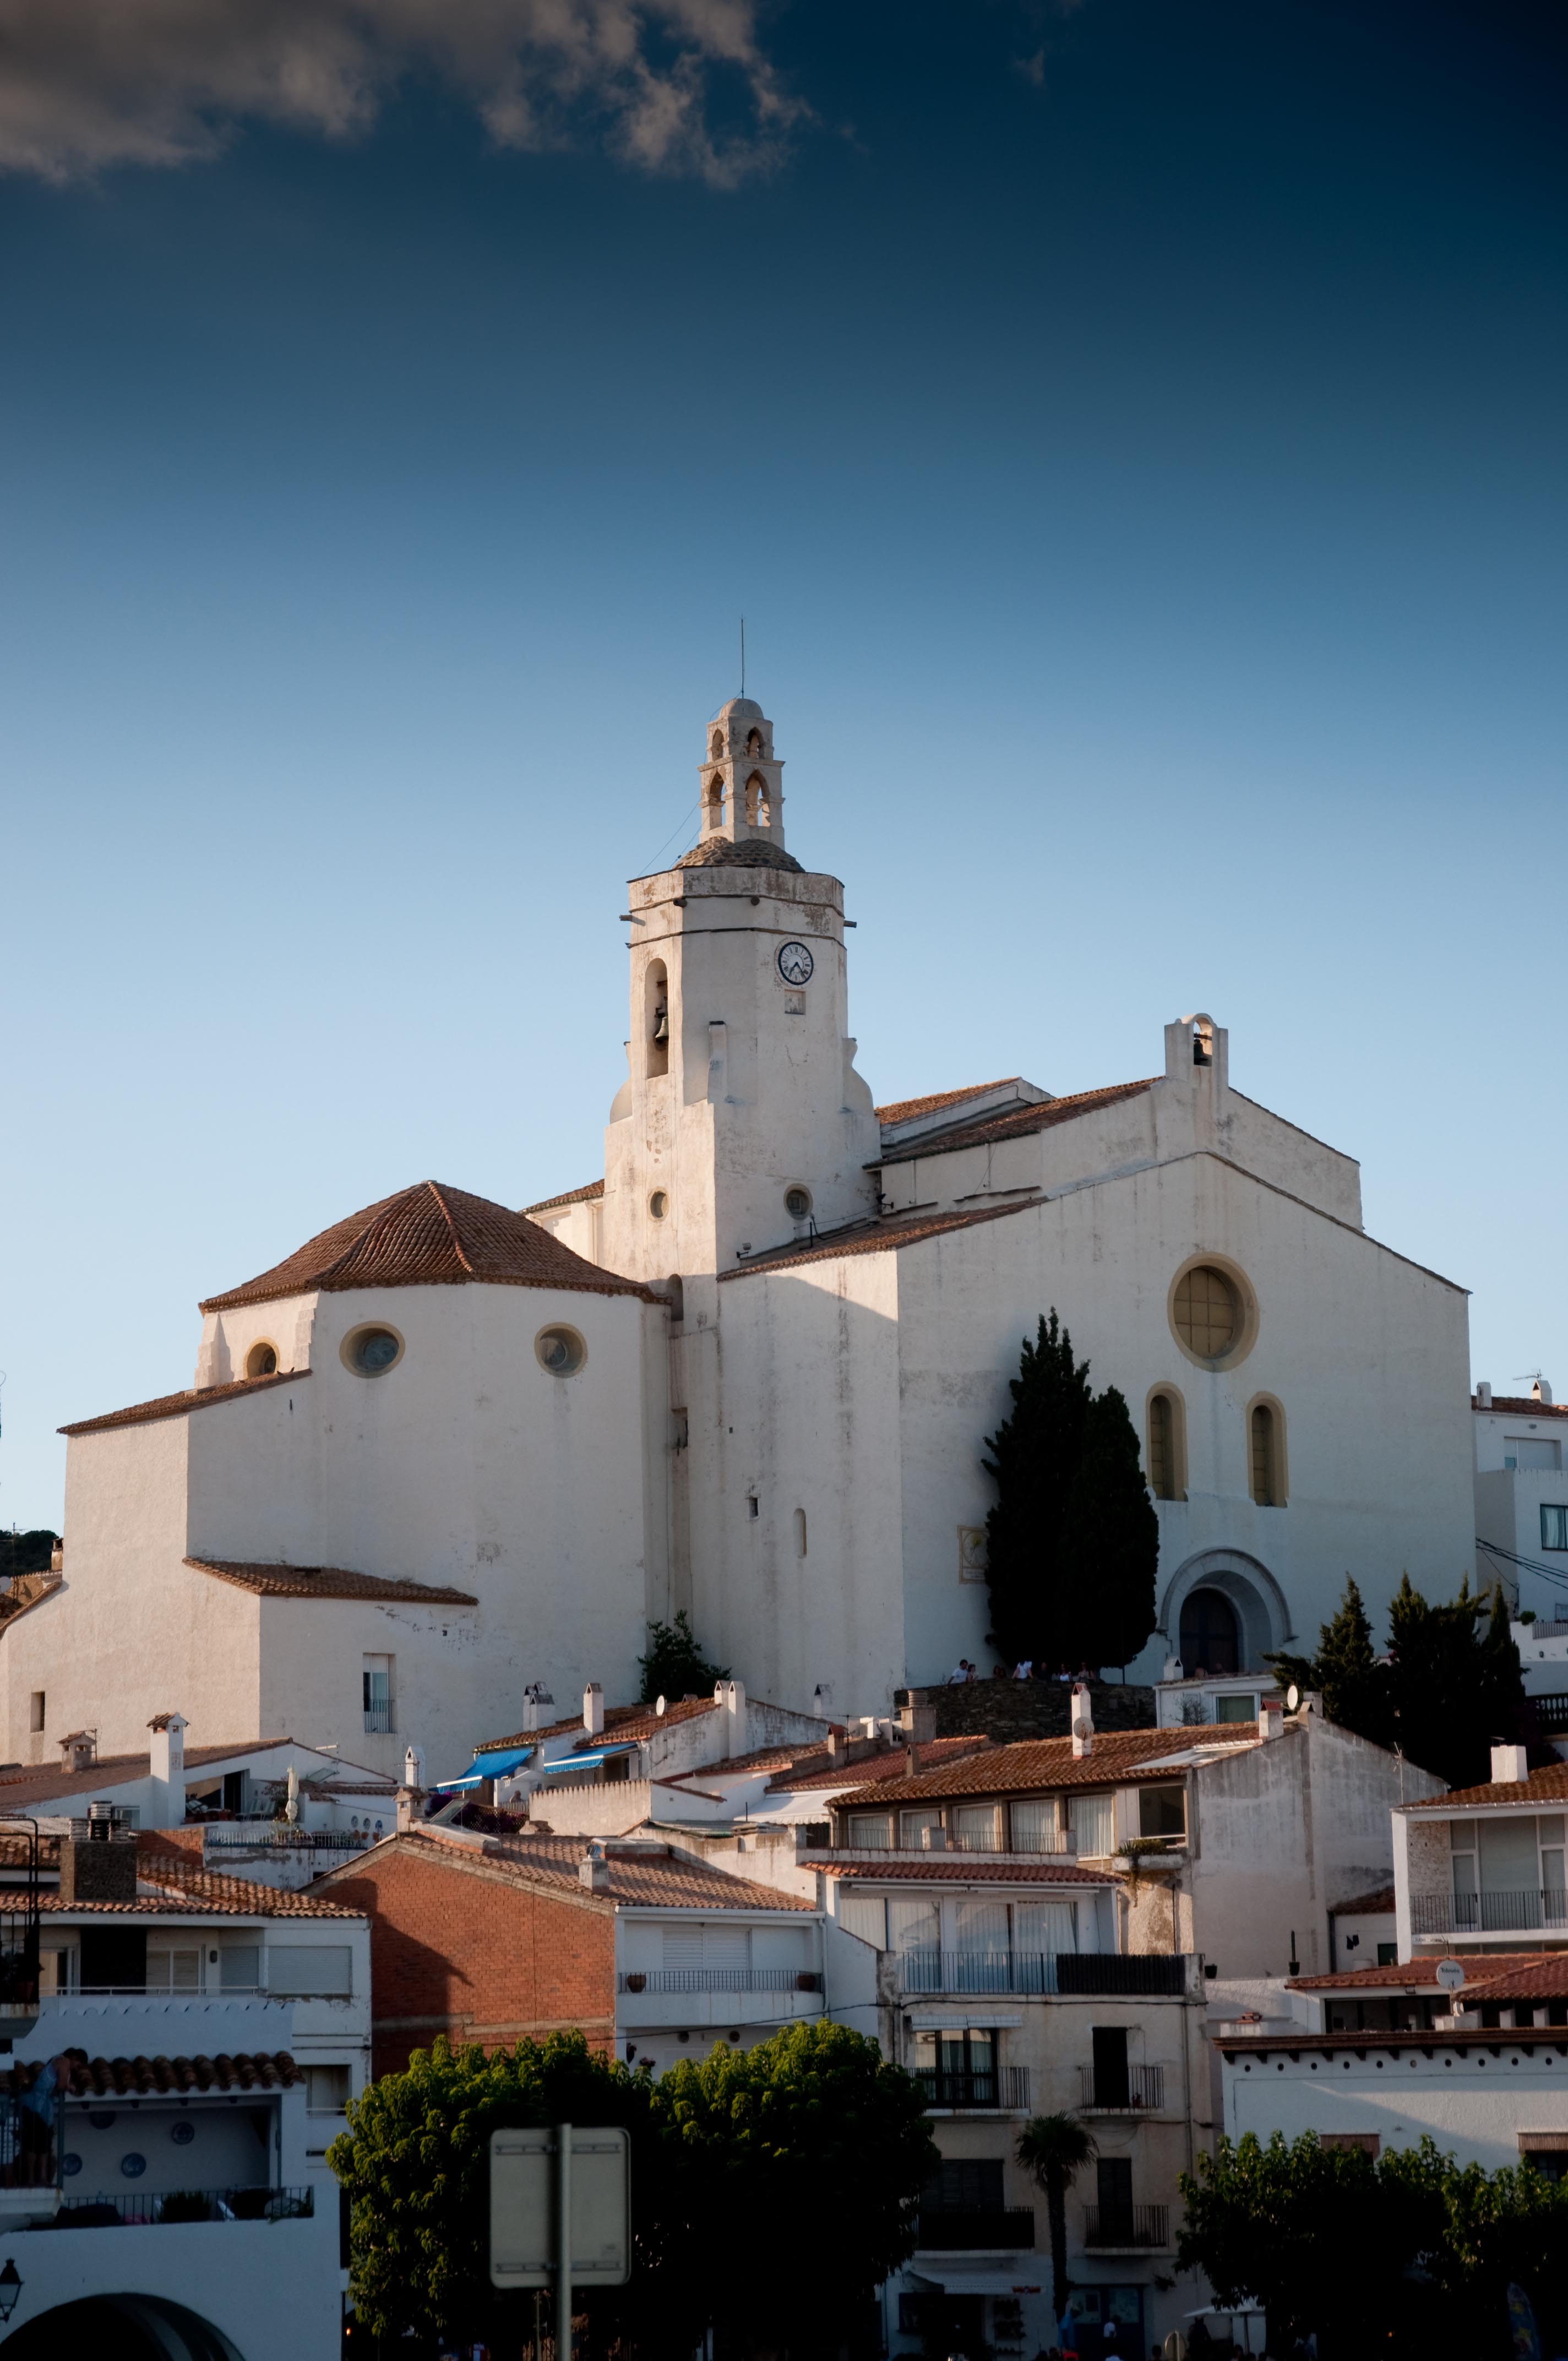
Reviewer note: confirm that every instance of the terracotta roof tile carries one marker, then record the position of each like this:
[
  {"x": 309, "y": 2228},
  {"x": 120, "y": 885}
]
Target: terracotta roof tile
[
  {"x": 1418, "y": 1974},
  {"x": 641, "y": 1877},
  {"x": 176, "y": 1885},
  {"x": 621, "y": 1722},
  {"x": 1544, "y": 1977},
  {"x": 904, "y": 1110},
  {"x": 105, "y": 2077},
  {"x": 176, "y": 1405},
  {"x": 932, "y": 1753},
  {"x": 751, "y": 852},
  {"x": 1522, "y": 1406},
  {"x": 429, "y": 1236},
  {"x": 884, "y": 1235},
  {"x": 582, "y": 1196},
  {"x": 43, "y": 1782},
  {"x": 1014, "y": 1123},
  {"x": 327, "y": 1582},
  {"x": 1550, "y": 1784},
  {"x": 967, "y": 1868},
  {"x": 1039, "y": 1764}
]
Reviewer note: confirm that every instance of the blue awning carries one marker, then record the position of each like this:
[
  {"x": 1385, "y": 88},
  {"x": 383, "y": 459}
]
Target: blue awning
[
  {"x": 586, "y": 1761},
  {"x": 498, "y": 1764}
]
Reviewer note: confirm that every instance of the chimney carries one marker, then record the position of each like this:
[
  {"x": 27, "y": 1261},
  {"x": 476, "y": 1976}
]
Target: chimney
[
  {"x": 1542, "y": 1393},
  {"x": 98, "y": 1860},
  {"x": 1271, "y": 1716},
  {"x": 1483, "y": 1394},
  {"x": 1082, "y": 1721},
  {"x": 1509, "y": 1764},
  {"x": 530, "y": 1713},
  {"x": 78, "y": 1750},
  {"x": 166, "y": 1805},
  {"x": 593, "y": 1871},
  {"x": 593, "y": 1710},
  {"x": 411, "y": 1794},
  {"x": 917, "y": 1718},
  {"x": 730, "y": 1699},
  {"x": 57, "y": 1558}
]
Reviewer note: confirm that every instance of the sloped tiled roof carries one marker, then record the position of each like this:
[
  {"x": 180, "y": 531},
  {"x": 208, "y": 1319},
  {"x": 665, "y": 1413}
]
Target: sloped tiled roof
[
  {"x": 327, "y": 1582},
  {"x": 751, "y": 852},
  {"x": 429, "y": 1236},
  {"x": 589, "y": 1190},
  {"x": 621, "y": 1722},
  {"x": 43, "y": 1782},
  {"x": 931, "y": 1755},
  {"x": 905, "y": 1110},
  {"x": 1522, "y": 1406},
  {"x": 1543, "y": 1977},
  {"x": 967, "y": 1868},
  {"x": 1548, "y": 1785},
  {"x": 175, "y": 1884},
  {"x": 1417, "y": 1974},
  {"x": 1012, "y": 1123},
  {"x": 641, "y": 1877},
  {"x": 176, "y": 1405},
  {"x": 119, "y": 2078},
  {"x": 884, "y": 1234},
  {"x": 1040, "y": 1763}
]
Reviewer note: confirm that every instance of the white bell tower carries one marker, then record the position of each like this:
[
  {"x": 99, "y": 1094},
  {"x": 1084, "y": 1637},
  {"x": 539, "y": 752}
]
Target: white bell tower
[{"x": 742, "y": 1124}]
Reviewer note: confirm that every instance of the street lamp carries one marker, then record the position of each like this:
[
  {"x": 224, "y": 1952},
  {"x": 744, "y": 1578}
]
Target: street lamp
[{"x": 10, "y": 2289}]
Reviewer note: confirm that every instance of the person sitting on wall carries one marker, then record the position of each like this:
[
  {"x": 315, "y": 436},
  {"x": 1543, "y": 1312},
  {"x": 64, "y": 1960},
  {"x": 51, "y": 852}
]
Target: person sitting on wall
[
  {"x": 1023, "y": 1670},
  {"x": 958, "y": 1674}
]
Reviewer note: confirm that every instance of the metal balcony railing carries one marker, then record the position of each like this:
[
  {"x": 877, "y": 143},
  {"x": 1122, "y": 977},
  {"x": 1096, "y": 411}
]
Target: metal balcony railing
[
  {"x": 1552, "y": 1709},
  {"x": 719, "y": 1980},
  {"x": 1140, "y": 1974},
  {"x": 379, "y": 1717},
  {"x": 1126, "y": 2225},
  {"x": 1136, "y": 2090},
  {"x": 31, "y": 2143},
  {"x": 167, "y": 2206},
  {"x": 1007, "y": 2230},
  {"x": 1007, "y": 2087},
  {"x": 276, "y": 1836},
  {"x": 1490, "y": 1914}
]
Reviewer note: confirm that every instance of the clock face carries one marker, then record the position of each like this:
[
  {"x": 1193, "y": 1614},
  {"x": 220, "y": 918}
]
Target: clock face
[{"x": 795, "y": 964}]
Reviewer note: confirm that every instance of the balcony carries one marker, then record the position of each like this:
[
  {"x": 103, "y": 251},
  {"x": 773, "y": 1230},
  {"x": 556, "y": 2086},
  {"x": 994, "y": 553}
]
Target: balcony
[
  {"x": 1137, "y": 2091},
  {"x": 1005, "y": 2230},
  {"x": 719, "y": 1980},
  {"x": 714, "y": 1998},
  {"x": 1004, "y": 2091},
  {"x": 275, "y": 1837},
  {"x": 1126, "y": 2229},
  {"x": 152, "y": 2206},
  {"x": 1148, "y": 1975},
  {"x": 1536, "y": 1908}
]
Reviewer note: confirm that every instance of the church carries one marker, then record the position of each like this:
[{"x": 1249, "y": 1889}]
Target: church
[{"x": 448, "y": 1450}]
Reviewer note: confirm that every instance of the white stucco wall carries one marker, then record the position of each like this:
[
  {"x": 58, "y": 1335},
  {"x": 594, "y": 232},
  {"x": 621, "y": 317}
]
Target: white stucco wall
[{"x": 1474, "y": 2106}]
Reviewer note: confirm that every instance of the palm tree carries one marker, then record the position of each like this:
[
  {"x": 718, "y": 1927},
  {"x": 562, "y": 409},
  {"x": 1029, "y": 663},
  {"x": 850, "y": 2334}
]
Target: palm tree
[{"x": 1054, "y": 2149}]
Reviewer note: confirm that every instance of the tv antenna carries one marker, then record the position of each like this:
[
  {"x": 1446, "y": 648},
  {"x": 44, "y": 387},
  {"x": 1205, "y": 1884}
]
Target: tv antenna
[{"x": 742, "y": 655}]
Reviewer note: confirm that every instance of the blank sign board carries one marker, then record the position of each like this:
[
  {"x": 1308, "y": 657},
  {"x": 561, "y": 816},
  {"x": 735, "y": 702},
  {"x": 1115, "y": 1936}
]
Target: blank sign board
[{"x": 523, "y": 2229}]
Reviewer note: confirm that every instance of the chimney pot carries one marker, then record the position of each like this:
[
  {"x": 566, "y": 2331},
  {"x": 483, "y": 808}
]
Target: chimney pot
[
  {"x": 593, "y": 1710},
  {"x": 1271, "y": 1716},
  {"x": 1082, "y": 1721},
  {"x": 1483, "y": 1394},
  {"x": 1508, "y": 1764},
  {"x": 593, "y": 1873}
]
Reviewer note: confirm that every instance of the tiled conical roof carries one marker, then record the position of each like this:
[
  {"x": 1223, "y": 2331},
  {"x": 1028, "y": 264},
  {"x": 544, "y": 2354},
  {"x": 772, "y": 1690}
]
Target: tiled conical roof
[{"x": 429, "y": 1236}]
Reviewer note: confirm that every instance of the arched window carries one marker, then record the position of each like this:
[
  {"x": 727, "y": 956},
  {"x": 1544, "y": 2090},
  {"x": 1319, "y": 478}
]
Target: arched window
[
  {"x": 1211, "y": 1640},
  {"x": 713, "y": 803},
  {"x": 1160, "y": 1448},
  {"x": 1266, "y": 1454},
  {"x": 656, "y": 1019},
  {"x": 754, "y": 743},
  {"x": 715, "y": 745}
]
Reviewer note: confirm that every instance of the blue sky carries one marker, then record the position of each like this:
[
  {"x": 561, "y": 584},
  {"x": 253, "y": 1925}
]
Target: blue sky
[{"x": 1133, "y": 436}]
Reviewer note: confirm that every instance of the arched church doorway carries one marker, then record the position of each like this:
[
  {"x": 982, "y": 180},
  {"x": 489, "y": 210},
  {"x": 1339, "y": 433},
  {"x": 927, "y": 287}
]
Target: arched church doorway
[
  {"x": 1211, "y": 1641},
  {"x": 131, "y": 2327}
]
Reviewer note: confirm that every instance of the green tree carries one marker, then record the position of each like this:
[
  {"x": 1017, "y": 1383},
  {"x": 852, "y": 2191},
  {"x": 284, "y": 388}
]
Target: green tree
[
  {"x": 812, "y": 2128},
  {"x": 1072, "y": 1541},
  {"x": 26, "y": 1553},
  {"x": 1054, "y": 2149},
  {"x": 674, "y": 1665},
  {"x": 1354, "y": 1684},
  {"x": 811, "y": 2145}
]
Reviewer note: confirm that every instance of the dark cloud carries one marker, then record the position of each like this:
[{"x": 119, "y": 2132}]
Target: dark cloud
[{"x": 89, "y": 83}]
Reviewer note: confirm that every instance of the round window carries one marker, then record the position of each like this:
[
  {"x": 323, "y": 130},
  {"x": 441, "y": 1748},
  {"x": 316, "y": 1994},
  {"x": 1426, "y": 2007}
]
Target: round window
[
  {"x": 371, "y": 1351},
  {"x": 262, "y": 1361},
  {"x": 182, "y": 2132},
  {"x": 133, "y": 2166},
  {"x": 560, "y": 1350},
  {"x": 658, "y": 1204},
  {"x": 797, "y": 1204},
  {"x": 1213, "y": 1315},
  {"x": 70, "y": 2164}
]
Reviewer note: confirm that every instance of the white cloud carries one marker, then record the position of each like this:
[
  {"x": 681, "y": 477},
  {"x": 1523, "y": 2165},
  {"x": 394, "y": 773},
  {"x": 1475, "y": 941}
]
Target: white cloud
[{"x": 89, "y": 83}]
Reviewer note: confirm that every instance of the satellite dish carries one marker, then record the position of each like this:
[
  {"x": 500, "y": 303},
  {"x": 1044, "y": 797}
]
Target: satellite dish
[
  {"x": 1292, "y": 1697},
  {"x": 661, "y": 1704},
  {"x": 1082, "y": 1729},
  {"x": 1451, "y": 1974}
]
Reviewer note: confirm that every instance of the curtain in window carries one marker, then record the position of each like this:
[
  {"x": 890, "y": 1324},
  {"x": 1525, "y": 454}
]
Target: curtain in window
[
  {"x": 914, "y": 1927},
  {"x": 1041, "y": 1929},
  {"x": 871, "y": 1831},
  {"x": 977, "y": 1828},
  {"x": 864, "y": 1914},
  {"x": 1092, "y": 1819},
  {"x": 1034, "y": 1826}
]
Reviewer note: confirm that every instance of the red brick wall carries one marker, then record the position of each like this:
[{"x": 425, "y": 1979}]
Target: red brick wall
[{"x": 456, "y": 1950}]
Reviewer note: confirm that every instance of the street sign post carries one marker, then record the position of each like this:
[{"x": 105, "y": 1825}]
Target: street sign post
[{"x": 560, "y": 2214}]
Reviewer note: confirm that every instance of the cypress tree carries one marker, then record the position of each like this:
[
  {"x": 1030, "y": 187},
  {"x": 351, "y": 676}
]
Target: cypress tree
[
  {"x": 1354, "y": 1686},
  {"x": 1073, "y": 1540}
]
